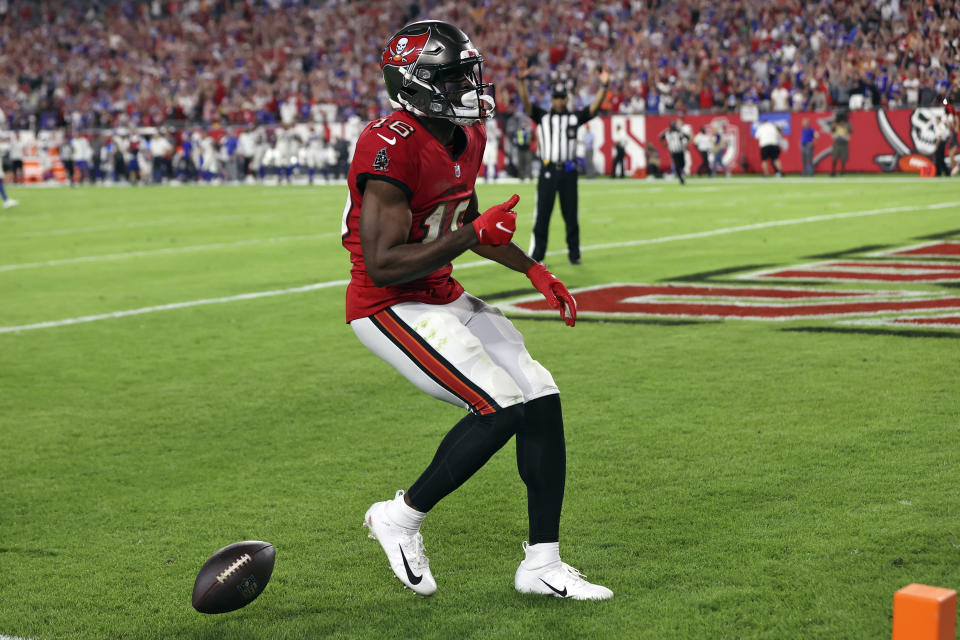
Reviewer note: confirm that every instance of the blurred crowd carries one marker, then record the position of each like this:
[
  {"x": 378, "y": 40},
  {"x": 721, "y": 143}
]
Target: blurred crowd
[{"x": 126, "y": 63}]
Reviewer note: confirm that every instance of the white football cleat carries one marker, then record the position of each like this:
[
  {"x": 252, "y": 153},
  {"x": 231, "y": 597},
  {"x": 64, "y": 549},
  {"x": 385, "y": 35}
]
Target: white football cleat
[
  {"x": 404, "y": 549},
  {"x": 557, "y": 579},
  {"x": 10, "y": 202}
]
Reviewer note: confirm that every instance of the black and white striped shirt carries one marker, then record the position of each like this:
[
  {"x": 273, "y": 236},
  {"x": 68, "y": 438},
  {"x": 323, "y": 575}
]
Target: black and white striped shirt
[
  {"x": 676, "y": 140},
  {"x": 557, "y": 133}
]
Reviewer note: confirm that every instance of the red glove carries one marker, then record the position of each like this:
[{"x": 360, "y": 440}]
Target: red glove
[
  {"x": 555, "y": 292},
  {"x": 496, "y": 225}
]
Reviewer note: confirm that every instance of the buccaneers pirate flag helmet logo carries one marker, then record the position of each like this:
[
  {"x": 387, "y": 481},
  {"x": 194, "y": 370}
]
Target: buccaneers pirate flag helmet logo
[{"x": 404, "y": 50}]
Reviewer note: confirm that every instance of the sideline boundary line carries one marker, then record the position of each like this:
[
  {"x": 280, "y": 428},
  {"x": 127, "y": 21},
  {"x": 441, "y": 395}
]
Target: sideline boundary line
[{"x": 615, "y": 245}]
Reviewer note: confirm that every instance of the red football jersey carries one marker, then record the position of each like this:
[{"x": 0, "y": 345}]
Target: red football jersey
[{"x": 438, "y": 183}]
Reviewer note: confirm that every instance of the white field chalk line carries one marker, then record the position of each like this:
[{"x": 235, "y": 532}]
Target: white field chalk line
[
  {"x": 767, "y": 225},
  {"x": 159, "y": 222},
  {"x": 174, "y": 305},
  {"x": 337, "y": 283},
  {"x": 108, "y": 227},
  {"x": 157, "y": 252}
]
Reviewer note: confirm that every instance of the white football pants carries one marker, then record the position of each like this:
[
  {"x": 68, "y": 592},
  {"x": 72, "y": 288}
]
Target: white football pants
[{"x": 465, "y": 353}]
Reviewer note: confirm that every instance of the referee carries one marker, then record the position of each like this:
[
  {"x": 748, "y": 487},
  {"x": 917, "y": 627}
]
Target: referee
[
  {"x": 676, "y": 140},
  {"x": 557, "y": 147}
]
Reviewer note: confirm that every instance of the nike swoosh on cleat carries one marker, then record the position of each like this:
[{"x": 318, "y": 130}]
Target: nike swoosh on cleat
[
  {"x": 415, "y": 579},
  {"x": 562, "y": 594},
  {"x": 503, "y": 228},
  {"x": 390, "y": 141}
]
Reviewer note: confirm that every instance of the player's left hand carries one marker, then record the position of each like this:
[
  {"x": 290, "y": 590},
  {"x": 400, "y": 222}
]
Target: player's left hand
[
  {"x": 555, "y": 292},
  {"x": 496, "y": 225}
]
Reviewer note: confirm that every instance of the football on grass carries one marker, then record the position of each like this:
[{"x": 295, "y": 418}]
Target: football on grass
[{"x": 233, "y": 577}]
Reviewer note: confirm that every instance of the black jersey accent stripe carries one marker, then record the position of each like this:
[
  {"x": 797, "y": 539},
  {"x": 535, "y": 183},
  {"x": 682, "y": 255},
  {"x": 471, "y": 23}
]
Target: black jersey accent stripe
[
  {"x": 364, "y": 177},
  {"x": 428, "y": 360}
]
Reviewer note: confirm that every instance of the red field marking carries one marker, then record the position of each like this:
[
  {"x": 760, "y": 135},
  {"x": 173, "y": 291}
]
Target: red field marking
[
  {"x": 932, "y": 249},
  {"x": 865, "y": 276},
  {"x": 626, "y": 291},
  {"x": 646, "y": 300},
  {"x": 938, "y": 321},
  {"x": 868, "y": 271},
  {"x": 921, "y": 266}
]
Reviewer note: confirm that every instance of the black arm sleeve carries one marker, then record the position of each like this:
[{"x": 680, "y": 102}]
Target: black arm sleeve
[{"x": 583, "y": 115}]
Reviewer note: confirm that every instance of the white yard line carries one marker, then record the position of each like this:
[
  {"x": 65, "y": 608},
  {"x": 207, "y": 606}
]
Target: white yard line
[
  {"x": 766, "y": 225},
  {"x": 614, "y": 245},
  {"x": 158, "y": 252}
]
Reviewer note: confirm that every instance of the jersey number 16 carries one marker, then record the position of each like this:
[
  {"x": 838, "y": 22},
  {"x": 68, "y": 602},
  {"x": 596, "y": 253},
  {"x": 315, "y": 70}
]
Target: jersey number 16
[{"x": 446, "y": 217}]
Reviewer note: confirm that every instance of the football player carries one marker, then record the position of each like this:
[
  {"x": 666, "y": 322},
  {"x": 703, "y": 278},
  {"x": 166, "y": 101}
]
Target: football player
[{"x": 412, "y": 209}]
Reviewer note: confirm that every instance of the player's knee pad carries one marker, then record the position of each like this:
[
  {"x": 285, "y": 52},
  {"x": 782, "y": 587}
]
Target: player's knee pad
[{"x": 444, "y": 332}]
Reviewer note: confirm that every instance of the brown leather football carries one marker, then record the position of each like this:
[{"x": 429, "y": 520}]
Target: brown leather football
[{"x": 233, "y": 577}]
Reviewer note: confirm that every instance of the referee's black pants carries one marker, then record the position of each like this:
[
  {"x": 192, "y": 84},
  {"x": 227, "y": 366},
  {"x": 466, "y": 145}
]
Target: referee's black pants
[
  {"x": 554, "y": 179},
  {"x": 679, "y": 164}
]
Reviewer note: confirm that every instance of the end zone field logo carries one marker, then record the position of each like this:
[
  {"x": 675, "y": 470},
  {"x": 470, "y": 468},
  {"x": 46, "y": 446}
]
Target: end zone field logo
[{"x": 932, "y": 263}]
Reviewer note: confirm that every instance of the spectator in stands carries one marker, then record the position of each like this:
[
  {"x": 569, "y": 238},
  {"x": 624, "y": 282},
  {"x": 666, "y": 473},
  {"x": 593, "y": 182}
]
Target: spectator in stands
[
  {"x": 780, "y": 96},
  {"x": 168, "y": 67}
]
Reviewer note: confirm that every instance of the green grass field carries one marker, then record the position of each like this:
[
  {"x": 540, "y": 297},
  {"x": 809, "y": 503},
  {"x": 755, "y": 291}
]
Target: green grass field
[{"x": 727, "y": 479}]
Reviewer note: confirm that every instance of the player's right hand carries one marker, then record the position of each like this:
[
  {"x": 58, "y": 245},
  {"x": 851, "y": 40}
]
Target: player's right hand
[{"x": 496, "y": 225}]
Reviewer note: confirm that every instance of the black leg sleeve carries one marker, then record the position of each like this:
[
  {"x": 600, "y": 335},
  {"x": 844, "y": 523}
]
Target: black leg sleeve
[
  {"x": 542, "y": 461},
  {"x": 465, "y": 449}
]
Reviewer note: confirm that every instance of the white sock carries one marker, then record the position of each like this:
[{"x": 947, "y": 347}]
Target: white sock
[
  {"x": 540, "y": 555},
  {"x": 403, "y": 514}
]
